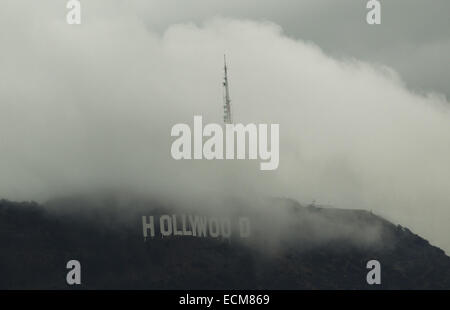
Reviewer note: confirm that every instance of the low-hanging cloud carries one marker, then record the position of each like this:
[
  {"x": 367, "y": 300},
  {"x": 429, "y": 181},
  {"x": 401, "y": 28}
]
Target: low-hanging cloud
[{"x": 91, "y": 106}]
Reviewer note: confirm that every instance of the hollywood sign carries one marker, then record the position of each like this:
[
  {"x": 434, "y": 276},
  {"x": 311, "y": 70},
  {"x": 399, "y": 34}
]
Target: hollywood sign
[{"x": 195, "y": 226}]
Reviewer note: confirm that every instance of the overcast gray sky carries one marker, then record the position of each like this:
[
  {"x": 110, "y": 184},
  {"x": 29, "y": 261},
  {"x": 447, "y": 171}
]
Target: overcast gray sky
[{"x": 414, "y": 37}]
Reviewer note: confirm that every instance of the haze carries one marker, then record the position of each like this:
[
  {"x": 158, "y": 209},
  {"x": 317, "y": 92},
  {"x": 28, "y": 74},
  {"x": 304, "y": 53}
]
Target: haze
[{"x": 91, "y": 106}]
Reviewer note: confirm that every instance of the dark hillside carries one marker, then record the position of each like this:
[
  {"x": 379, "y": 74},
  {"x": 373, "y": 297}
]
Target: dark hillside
[{"x": 37, "y": 243}]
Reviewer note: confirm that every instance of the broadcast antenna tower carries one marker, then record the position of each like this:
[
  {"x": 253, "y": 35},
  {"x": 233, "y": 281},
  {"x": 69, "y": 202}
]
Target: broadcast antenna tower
[{"x": 226, "y": 96}]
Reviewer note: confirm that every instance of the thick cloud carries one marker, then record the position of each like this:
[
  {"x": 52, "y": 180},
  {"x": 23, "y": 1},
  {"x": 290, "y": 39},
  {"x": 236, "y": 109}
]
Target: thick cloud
[
  {"x": 413, "y": 38},
  {"x": 91, "y": 106}
]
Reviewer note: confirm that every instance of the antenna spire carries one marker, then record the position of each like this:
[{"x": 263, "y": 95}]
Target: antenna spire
[{"x": 226, "y": 98}]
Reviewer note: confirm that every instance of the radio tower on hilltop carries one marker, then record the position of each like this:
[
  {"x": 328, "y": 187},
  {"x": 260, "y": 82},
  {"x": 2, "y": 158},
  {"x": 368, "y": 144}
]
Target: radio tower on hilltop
[{"x": 226, "y": 96}]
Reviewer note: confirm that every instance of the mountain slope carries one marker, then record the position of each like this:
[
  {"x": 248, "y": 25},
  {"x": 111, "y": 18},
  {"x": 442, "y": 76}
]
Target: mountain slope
[{"x": 37, "y": 243}]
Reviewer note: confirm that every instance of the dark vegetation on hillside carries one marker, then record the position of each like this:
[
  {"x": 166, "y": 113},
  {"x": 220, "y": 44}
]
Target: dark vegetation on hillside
[{"x": 36, "y": 244}]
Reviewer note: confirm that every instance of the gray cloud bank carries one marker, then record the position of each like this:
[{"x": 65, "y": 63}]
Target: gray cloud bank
[
  {"x": 91, "y": 106},
  {"x": 413, "y": 38}
]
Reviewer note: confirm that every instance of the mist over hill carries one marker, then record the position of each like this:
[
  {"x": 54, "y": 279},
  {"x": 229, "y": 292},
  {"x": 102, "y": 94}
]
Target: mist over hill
[
  {"x": 319, "y": 248},
  {"x": 93, "y": 106}
]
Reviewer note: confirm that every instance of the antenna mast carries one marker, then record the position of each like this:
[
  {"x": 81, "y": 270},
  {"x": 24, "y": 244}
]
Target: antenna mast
[{"x": 226, "y": 97}]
